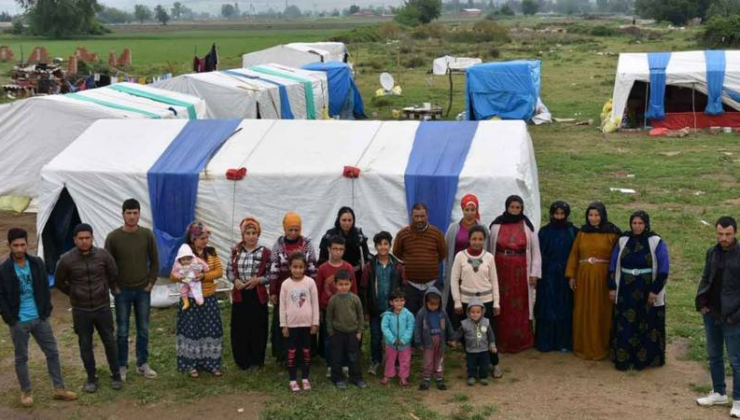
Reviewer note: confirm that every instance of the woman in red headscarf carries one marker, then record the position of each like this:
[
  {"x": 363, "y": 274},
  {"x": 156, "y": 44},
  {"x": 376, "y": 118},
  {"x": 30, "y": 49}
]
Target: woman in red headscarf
[
  {"x": 247, "y": 269},
  {"x": 456, "y": 239}
]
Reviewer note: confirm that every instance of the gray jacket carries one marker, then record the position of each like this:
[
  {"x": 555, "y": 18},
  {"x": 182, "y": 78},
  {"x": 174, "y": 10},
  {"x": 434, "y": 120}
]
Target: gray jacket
[{"x": 477, "y": 337}]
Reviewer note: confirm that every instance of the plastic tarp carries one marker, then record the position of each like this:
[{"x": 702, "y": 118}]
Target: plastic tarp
[
  {"x": 715, "y": 81},
  {"x": 286, "y": 113},
  {"x": 685, "y": 69},
  {"x": 297, "y": 54},
  {"x": 173, "y": 182},
  {"x": 657, "y": 62},
  {"x": 345, "y": 100},
  {"x": 507, "y": 90},
  {"x": 292, "y": 165},
  {"x": 433, "y": 171},
  {"x": 441, "y": 65},
  {"x": 33, "y": 131}
]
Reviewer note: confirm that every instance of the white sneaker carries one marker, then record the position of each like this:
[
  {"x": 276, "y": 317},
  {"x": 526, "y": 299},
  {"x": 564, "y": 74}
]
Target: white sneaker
[
  {"x": 147, "y": 371},
  {"x": 123, "y": 370},
  {"x": 713, "y": 399},
  {"x": 328, "y": 372},
  {"x": 735, "y": 412},
  {"x": 345, "y": 371}
]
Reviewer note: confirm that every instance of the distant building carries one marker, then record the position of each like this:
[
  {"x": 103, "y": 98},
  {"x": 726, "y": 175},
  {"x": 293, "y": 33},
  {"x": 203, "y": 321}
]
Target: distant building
[
  {"x": 363, "y": 13},
  {"x": 471, "y": 12}
]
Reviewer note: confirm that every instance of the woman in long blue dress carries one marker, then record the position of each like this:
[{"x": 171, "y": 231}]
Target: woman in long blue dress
[
  {"x": 553, "y": 309},
  {"x": 637, "y": 277}
]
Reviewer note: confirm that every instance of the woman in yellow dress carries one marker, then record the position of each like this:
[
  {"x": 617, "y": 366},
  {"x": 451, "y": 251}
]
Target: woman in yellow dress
[{"x": 587, "y": 271}]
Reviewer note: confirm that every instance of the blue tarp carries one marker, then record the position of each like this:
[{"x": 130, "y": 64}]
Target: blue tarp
[
  {"x": 657, "y": 63},
  {"x": 715, "y": 81},
  {"x": 436, "y": 160},
  {"x": 173, "y": 182},
  {"x": 286, "y": 112},
  {"x": 344, "y": 97},
  {"x": 508, "y": 90}
]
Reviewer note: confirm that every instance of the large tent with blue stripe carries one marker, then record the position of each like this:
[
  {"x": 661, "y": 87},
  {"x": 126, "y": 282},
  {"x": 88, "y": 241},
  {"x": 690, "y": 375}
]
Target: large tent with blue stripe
[
  {"x": 220, "y": 171},
  {"x": 268, "y": 91},
  {"x": 33, "y": 131},
  {"x": 695, "y": 89}
]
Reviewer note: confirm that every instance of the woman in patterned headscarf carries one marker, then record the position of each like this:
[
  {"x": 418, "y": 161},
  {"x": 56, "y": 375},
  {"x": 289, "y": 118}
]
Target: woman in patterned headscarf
[
  {"x": 247, "y": 269},
  {"x": 199, "y": 330},
  {"x": 637, "y": 278}
]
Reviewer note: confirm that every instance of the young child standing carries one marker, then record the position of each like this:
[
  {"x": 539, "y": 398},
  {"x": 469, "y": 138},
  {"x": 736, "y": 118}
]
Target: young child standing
[
  {"x": 398, "y": 329},
  {"x": 477, "y": 334},
  {"x": 299, "y": 318},
  {"x": 327, "y": 287},
  {"x": 433, "y": 328},
  {"x": 188, "y": 268},
  {"x": 380, "y": 276},
  {"x": 344, "y": 321}
]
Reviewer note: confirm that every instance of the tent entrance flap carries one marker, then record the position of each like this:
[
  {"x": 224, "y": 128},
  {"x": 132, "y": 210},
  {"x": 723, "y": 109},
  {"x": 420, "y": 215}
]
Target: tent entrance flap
[
  {"x": 657, "y": 63},
  {"x": 57, "y": 233}
]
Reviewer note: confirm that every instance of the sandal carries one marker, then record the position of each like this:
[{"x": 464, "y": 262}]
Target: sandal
[
  {"x": 217, "y": 373},
  {"x": 193, "y": 373}
]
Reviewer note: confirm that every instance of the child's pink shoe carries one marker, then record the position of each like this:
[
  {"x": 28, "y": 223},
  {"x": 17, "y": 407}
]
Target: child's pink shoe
[
  {"x": 385, "y": 381},
  {"x": 404, "y": 382},
  {"x": 306, "y": 385},
  {"x": 294, "y": 386}
]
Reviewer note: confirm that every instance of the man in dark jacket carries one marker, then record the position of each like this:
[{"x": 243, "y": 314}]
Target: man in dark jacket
[
  {"x": 25, "y": 305},
  {"x": 380, "y": 276},
  {"x": 87, "y": 274},
  {"x": 718, "y": 300}
]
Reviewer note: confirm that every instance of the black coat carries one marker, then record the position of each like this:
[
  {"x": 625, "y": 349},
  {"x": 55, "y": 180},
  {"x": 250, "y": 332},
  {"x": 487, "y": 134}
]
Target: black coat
[
  {"x": 10, "y": 291},
  {"x": 368, "y": 292},
  {"x": 730, "y": 282}
]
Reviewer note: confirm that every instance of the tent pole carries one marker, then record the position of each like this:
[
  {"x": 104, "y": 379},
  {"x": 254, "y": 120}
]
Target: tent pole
[
  {"x": 693, "y": 105},
  {"x": 449, "y": 104},
  {"x": 647, "y": 96}
]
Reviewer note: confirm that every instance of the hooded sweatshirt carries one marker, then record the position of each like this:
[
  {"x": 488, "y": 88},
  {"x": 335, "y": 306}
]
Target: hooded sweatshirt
[
  {"x": 478, "y": 336},
  {"x": 426, "y": 324}
]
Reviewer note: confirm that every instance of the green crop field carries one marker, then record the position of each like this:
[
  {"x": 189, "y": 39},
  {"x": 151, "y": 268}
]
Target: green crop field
[{"x": 683, "y": 183}]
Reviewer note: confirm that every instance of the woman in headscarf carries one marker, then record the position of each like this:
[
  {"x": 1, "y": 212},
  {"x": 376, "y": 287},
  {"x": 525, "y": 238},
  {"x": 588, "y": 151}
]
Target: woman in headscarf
[
  {"x": 248, "y": 269},
  {"x": 587, "y": 272},
  {"x": 514, "y": 243},
  {"x": 637, "y": 279},
  {"x": 456, "y": 238},
  {"x": 553, "y": 309},
  {"x": 291, "y": 242},
  {"x": 356, "y": 251},
  {"x": 199, "y": 330}
]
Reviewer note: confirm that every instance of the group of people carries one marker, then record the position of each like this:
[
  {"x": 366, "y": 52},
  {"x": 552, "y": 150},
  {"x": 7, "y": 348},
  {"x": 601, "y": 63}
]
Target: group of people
[{"x": 595, "y": 290}]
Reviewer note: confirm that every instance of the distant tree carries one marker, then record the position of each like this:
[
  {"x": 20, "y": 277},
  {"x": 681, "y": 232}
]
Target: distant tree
[
  {"x": 292, "y": 12},
  {"x": 62, "y": 18},
  {"x": 176, "y": 10},
  {"x": 530, "y": 7},
  {"x": 620, "y": 6},
  {"x": 471, "y": 4},
  {"x": 335, "y": 12},
  {"x": 113, "y": 15},
  {"x": 723, "y": 8},
  {"x": 161, "y": 14},
  {"x": 5, "y": 17},
  {"x": 415, "y": 12},
  {"x": 353, "y": 9},
  {"x": 602, "y": 5},
  {"x": 228, "y": 11},
  {"x": 678, "y": 12},
  {"x": 142, "y": 13}
]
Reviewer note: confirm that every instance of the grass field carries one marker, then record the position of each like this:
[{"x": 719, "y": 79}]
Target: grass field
[{"x": 682, "y": 183}]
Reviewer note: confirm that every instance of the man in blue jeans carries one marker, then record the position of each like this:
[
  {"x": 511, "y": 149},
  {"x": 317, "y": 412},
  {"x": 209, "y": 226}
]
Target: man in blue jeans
[
  {"x": 135, "y": 251},
  {"x": 718, "y": 300}
]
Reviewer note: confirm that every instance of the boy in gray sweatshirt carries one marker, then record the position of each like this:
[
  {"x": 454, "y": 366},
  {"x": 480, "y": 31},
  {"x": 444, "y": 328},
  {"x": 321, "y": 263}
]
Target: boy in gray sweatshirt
[{"x": 477, "y": 335}]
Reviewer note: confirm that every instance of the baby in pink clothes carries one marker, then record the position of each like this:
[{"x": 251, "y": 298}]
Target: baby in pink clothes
[{"x": 188, "y": 268}]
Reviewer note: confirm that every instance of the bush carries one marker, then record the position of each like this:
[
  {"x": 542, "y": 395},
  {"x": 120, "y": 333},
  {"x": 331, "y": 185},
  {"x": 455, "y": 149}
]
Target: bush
[
  {"x": 360, "y": 34},
  {"x": 390, "y": 30},
  {"x": 482, "y": 31},
  {"x": 429, "y": 31},
  {"x": 493, "y": 52},
  {"x": 602, "y": 30},
  {"x": 722, "y": 32},
  {"x": 414, "y": 62}
]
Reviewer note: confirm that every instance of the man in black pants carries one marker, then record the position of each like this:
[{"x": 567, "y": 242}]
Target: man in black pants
[{"x": 87, "y": 275}]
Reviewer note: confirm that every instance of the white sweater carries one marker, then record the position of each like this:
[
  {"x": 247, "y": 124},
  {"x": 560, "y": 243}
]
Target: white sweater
[{"x": 468, "y": 284}]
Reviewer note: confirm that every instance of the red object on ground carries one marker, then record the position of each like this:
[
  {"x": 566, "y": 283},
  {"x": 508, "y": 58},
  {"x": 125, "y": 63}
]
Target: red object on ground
[
  {"x": 658, "y": 132},
  {"x": 679, "y": 120},
  {"x": 351, "y": 172},
  {"x": 236, "y": 174}
]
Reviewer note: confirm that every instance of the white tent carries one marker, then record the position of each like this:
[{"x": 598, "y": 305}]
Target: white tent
[
  {"x": 249, "y": 93},
  {"x": 34, "y": 130},
  {"x": 442, "y": 65},
  {"x": 297, "y": 54},
  {"x": 291, "y": 166},
  {"x": 684, "y": 69}
]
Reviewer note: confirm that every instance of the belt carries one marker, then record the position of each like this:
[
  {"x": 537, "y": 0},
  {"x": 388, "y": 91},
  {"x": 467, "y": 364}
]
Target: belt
[
  {"x": 476, "y": 294},
  {"x": 637, "y": 271},
  {"x": 509, "y": 252},
  {"x": 594, "y": 260}
]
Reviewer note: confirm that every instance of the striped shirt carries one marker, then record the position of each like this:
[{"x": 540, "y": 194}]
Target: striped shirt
[{"x": 421, "y": 252}]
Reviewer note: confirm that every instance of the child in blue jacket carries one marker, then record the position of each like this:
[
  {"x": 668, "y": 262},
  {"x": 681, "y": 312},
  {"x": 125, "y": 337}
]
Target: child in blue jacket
[{"x": 397, "y": 325}]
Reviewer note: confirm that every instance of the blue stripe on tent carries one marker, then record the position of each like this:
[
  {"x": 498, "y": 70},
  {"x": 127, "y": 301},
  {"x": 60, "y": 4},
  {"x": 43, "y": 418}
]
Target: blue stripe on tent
[
  {"x": 286, "y": 112},
  {"x": 657, "y": 63},
  {"x": 715, "y": 81},
  {"x": 173, "y": 182},
  {"x": 733, "y": 95},
  {"x": 344, "y": 97},
  {"x": 436, "y": 160}
]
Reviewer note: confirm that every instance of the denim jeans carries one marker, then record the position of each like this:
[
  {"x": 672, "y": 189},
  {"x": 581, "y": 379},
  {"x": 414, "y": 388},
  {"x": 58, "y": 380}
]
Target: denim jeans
[
  {"x": 718, "y": 333},
  {"x": 140, "y": 300},
  {"x": 42, "y": 333},
  {"x": 376, "y": 339}
]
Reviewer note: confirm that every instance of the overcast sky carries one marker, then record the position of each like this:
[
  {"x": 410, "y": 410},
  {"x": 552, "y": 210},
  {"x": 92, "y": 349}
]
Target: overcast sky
[{"x": 214, "y": 6}]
